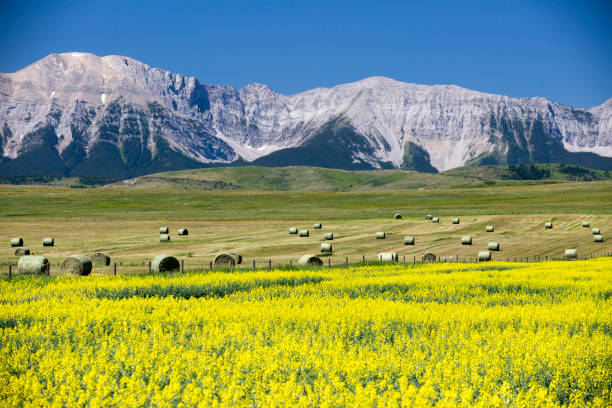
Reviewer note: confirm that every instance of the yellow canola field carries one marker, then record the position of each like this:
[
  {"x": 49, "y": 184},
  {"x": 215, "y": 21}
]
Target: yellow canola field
[{"x": 489, "y": 335}]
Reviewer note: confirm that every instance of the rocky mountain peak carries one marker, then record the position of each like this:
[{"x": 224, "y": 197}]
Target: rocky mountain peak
[{"x": 86, "y": 111}]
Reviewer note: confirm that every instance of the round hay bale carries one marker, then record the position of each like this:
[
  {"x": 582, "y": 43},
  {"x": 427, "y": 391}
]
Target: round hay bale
[
  {"x": 228, "y": 259},
  {"x": 304, "y": 233},
  {"x": 79, "y": 263},
  {"x": 164, "y": 238},
  {"x": 598, "y": 238},
  {"x": 493, "y": 246},
  {"x": 326, "y": 248},
  {"x": 548, "y": 225},
  {"x": 388, "y": 257},
  {"x": 164, "y": 230},
  {"x": 409, "y": 240},
  {"x": 455, "y": 220},
  {"x": 428, "y": 217},
  {"x": 32, "y": 265},
  {"x": 435, "y": 220},
  {"x": 48, "y": 241},
  {"x": 293, "y": 231},
  {"x": 100, "y": 259},
  {"x": 183, "y": 232},
  {"x": 490, "y": 228},
  {"x": 22, "y": 251},
  {"x": 570, "y": 254},
  {"x": 310, "y": 260},
  {"x": 484, "y": 256},
  {"x": 318, "y": 226},
  {"x": 586, "y": 224},
  {"x": 429, "y": 257},
  {"x": 596, "y": 231},
  {"x": 17, "y": 242},
  {"x": 398, "y": 216},
  {"x": 165, "y": 263},
  {"x": 466, "y": 240},
  {"x": 381, "y": 235},
  {"x": 329, "y": 236}
]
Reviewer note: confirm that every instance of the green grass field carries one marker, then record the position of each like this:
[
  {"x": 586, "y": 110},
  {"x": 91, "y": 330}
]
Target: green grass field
[
  {"x": 124, "y": 222},
  {"x": 299, "y": 178}
]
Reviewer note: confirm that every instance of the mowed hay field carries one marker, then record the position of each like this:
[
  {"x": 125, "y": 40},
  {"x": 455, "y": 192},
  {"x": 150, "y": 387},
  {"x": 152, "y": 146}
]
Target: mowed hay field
[
  {"x": 132, "y": 244},
  {"x": 125, "y": 223},
  {"x": 395, "y": 335}
]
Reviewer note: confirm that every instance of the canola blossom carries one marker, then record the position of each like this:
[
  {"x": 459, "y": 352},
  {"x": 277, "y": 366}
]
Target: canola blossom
[{"x": 487, "y": 335}]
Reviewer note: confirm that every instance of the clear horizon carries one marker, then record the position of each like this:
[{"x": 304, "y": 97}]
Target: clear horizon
[{"x": 561, "y": 51}]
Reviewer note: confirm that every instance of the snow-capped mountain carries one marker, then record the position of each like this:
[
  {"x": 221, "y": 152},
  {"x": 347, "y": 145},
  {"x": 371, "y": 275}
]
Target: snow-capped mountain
[{"x": 113, "y": 116}]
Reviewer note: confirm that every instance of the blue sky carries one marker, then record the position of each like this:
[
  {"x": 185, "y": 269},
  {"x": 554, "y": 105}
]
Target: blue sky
[{"x": 561, "y": 50}]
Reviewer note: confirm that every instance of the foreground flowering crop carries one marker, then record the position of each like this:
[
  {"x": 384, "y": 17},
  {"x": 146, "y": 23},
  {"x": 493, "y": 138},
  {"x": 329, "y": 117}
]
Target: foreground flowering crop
[{"x": 497, "y": 335}]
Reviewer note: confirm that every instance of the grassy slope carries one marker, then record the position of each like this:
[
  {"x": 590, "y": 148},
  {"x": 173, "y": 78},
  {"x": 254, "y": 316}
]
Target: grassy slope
[
  {"x": 289, "y": 178},
  {"x": 299, "y": 178}
]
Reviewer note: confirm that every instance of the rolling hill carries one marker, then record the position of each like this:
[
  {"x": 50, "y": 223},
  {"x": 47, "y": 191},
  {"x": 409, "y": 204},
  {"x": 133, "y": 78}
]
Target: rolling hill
[{"x": 298, "y": 178}]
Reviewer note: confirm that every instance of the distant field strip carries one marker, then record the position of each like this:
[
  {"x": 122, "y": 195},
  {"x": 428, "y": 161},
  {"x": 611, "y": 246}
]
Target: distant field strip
[
  {"x": 25, "y": 202},
  {"x": 490, "y": 335}
]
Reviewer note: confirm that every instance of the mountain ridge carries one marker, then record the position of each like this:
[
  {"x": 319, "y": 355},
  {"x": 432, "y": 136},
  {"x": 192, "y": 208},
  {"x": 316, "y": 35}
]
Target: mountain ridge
[{"x": 117, "y": 114}]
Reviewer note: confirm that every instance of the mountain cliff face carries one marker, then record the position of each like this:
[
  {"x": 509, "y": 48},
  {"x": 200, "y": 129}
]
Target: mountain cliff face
[{"x": 113, "y": 116}]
